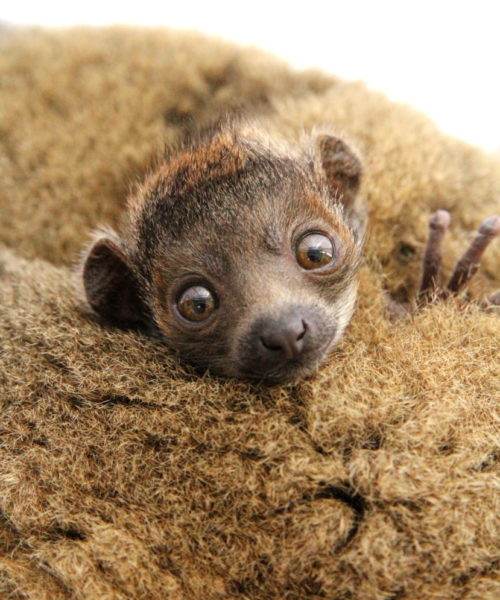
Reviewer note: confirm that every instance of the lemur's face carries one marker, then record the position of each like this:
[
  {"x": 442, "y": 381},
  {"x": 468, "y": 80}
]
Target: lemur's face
[
  {"x": 247, "y": 266},
  {"x": 264, "y": 295}
]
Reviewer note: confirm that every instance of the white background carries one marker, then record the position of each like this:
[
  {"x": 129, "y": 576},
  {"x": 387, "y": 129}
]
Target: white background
[{"x": 442, "y": 57}]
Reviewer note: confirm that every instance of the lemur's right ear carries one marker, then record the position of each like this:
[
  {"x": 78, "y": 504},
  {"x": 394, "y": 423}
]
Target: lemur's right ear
[{"x": 110, "y": 284}]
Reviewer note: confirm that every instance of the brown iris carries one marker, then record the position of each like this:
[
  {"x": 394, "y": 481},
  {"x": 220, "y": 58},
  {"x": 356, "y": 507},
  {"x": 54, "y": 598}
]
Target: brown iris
[
  {"x": 196, "y": 303},
  {"x": 314, "y": 251}
]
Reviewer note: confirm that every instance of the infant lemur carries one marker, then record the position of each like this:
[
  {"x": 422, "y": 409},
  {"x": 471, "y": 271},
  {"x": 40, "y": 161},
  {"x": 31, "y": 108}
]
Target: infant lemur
[{"x": 239, "y": 253}]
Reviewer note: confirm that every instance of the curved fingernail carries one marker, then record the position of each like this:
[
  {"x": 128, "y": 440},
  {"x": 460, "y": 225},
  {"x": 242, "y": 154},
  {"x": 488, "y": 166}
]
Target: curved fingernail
[
  {"x": 490, "y": 227},
  {"x": 440, "y": 219}
]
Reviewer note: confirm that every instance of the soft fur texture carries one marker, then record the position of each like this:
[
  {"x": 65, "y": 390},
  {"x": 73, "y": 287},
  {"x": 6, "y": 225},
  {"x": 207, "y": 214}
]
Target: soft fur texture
[{"x": 125, "y": 475}]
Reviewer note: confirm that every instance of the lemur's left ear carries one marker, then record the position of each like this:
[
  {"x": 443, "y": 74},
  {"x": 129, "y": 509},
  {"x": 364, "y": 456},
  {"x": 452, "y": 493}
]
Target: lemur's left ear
[
  {"x": 341, "y": 166},
  {"x": 342, "y": 169}
]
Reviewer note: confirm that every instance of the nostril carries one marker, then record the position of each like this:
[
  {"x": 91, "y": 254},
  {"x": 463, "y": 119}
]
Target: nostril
[
  {"x": 303, "y": 332},
  {"x": 269, "y": 345}
]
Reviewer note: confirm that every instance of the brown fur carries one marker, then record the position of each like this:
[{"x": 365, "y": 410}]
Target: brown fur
[
  {"x": 124, "y": 474},
  {"x": 203, "y": 218}
]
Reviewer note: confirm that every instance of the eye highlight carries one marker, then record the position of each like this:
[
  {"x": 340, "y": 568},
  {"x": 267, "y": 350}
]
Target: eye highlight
[
  {"x": 196, "y": 303},
  {"x": 314, "y": 250}
]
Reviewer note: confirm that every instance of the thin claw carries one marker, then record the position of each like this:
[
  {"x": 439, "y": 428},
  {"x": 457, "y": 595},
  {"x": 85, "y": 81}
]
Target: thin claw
[
  {"x": 468, "y": 265},
  {"x": 438, "y": 224}
]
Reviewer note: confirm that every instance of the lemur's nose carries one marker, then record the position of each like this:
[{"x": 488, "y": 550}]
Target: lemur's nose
[
  {"x": 284, "y": 340},
  {"x": 287, "y": 340}
]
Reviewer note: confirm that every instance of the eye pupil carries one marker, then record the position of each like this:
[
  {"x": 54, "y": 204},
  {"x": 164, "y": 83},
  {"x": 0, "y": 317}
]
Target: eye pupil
[
  {"x": 199, "y": 306},
  {"x": 315, "y": 255},
  {"x": 314, "y": 251},
  {"x": 196, "y": 303}
]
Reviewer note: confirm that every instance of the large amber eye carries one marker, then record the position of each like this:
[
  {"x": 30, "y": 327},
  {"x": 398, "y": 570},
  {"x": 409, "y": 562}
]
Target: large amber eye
[
  {"x": 196, "y": 303},
  {"x": 314, "y": 251}
]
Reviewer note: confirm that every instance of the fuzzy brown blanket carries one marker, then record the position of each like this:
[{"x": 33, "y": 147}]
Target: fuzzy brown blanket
[{"x": 124, "y": 475}]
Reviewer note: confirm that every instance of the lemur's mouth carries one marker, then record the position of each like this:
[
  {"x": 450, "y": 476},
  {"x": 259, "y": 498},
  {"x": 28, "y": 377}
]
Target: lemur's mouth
[
  {"x": 286, "y": 373},
  {"x": 289, "y": 369}
]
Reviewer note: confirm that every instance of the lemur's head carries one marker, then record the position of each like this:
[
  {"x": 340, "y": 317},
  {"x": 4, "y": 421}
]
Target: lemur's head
[{"x": 239, "y": 254}]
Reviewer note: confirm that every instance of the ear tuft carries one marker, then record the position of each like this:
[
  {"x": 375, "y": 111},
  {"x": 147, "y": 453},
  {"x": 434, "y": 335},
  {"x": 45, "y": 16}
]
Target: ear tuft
[
  {"x": 342, "y": 169},
  {"x": 341, "y": 166},
  {"x": 110, "y": 285}
]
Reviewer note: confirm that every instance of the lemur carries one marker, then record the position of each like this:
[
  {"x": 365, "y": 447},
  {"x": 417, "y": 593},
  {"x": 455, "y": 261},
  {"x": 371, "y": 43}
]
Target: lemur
[{"x": 242, "y": 254}]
